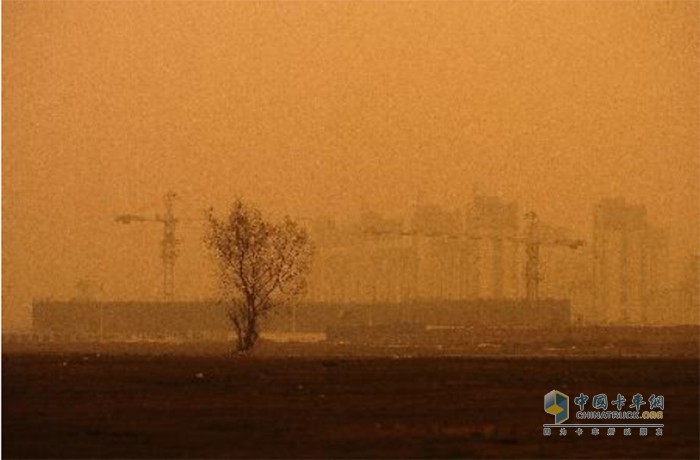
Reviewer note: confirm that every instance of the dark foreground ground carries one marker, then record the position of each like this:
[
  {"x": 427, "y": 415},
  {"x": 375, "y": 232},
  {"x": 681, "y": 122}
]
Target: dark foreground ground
[{"x": 88, "y": 406}]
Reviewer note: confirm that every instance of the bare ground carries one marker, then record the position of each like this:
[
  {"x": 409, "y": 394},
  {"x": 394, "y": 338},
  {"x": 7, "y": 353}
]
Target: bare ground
[{"x": 89, "y": 406}]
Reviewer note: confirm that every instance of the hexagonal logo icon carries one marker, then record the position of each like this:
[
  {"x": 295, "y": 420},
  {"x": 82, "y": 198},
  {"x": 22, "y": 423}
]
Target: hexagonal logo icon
[{"x": 556, "y": 403}]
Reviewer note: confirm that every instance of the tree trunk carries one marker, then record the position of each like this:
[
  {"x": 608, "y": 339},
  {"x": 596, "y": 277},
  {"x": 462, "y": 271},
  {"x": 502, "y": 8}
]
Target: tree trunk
[{"x": 247, "y": 330}]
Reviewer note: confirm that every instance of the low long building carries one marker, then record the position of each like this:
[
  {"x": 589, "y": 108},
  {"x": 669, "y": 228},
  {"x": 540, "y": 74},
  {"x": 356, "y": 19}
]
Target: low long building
[{"x": 208, "y": 320}]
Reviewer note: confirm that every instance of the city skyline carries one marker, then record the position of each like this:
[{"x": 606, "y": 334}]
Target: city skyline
[{"x": 476, "y": 252}]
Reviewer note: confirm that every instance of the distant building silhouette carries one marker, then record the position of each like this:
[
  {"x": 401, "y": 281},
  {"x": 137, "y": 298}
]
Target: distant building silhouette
[
  {"x": 630, "y": 263},
  {"x": 436, "y": 254}
]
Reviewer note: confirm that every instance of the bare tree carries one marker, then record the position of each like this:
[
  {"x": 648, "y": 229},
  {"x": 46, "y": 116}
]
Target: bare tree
[{"x": 262, "y": 265}]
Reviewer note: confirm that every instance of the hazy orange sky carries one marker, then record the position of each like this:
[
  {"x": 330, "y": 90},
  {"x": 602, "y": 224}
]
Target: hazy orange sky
[{"x": 314, "y": 108}]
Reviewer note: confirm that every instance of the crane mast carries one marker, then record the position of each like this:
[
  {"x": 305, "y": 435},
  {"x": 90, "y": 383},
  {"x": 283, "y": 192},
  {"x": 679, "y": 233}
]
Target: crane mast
[
  {"x": 169, "y": 247},
  {"x": 532, "y": 263}
]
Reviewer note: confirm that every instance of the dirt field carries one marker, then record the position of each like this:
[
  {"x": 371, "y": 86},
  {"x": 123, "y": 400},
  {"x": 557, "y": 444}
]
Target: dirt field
[{"x": 88, "y": 406}]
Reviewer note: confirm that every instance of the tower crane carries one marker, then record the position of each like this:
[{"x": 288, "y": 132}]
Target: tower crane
[
  {"x": 533, "y": 240},
  {"x": 168, "y": 244}
]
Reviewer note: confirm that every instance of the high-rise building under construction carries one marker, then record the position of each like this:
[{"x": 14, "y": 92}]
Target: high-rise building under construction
[{"x": 629, "y": 262}]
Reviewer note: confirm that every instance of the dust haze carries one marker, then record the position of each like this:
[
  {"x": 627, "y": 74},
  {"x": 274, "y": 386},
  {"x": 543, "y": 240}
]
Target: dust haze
[
  {"x": 499, "y": 203},
  {"x": 335, "y": 111}
]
